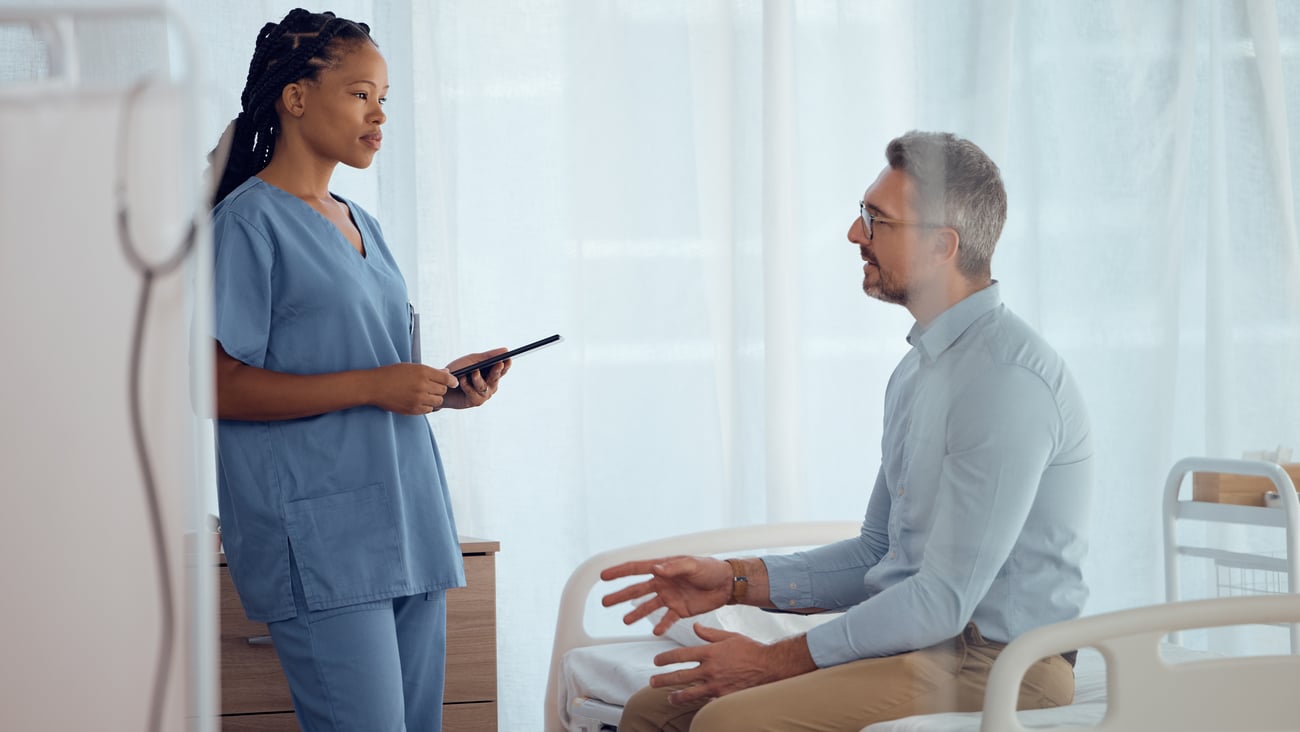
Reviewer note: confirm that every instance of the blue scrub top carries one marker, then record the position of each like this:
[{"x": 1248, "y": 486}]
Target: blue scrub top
[{"x": 358, "y": 493}]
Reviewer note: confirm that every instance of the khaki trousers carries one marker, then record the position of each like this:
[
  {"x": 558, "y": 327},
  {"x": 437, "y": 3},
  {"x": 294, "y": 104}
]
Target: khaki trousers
[{"x": 948, "y": 677}]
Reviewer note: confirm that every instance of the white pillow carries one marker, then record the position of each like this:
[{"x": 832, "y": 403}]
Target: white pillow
[{"x": 764, "y": 627}]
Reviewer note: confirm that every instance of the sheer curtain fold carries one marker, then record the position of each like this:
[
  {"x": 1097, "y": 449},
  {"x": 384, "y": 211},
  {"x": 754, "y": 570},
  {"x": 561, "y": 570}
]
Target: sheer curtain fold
[
  {"x": 669, "y": 184},
  {"x": 1278, "y": 111},
  {"x": 712, "y": 47},
  {"x": 783, "y": 367}
]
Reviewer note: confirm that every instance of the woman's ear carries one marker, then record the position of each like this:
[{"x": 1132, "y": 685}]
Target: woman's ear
[{"x": 293, "y": 99}]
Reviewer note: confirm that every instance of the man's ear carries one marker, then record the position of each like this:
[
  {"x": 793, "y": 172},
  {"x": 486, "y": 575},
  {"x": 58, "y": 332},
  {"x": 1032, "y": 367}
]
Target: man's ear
[
  {"x": 946, "y": 241},
  {"x": 293, "y": 99}
]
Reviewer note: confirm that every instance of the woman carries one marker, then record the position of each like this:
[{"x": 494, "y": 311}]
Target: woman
[{"x": 336, "y": 521}]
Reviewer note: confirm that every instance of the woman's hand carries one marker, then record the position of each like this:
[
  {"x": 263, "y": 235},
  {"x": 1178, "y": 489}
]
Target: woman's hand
[
  {"x": 684, "y": 585},
  {"x": 474, "y": 389},
  {"x": 254, "y": 394},
  {"x": 411, "y": 388}
]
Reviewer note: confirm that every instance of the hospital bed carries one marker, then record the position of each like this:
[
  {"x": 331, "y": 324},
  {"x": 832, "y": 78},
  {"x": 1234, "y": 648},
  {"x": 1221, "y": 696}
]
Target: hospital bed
[{"x": 1128, "y": 676}]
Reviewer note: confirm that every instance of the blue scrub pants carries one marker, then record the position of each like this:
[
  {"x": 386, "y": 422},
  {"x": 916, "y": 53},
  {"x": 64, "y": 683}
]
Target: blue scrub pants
[{"x": 373, "y": 667}]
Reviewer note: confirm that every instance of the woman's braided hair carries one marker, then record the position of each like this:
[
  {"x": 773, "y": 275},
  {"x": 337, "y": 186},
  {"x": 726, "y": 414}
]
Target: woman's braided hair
[{"x": 294, "y": 49}]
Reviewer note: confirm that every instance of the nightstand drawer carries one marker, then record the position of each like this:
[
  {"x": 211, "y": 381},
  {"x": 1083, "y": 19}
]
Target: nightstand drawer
[{"x": 472, "y": 717}]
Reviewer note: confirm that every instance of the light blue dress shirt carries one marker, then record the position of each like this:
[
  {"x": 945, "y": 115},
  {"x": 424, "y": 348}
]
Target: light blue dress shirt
[
  {"x": 979, "y": 511},
  {"x": 358, "y": 493}
]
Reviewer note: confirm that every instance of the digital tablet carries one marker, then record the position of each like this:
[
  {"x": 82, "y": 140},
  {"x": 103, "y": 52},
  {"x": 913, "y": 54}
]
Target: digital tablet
[{"x": 488, "y": 362}]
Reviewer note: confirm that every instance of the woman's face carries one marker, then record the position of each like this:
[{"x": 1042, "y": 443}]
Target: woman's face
[{"x": 342, "y": 109}]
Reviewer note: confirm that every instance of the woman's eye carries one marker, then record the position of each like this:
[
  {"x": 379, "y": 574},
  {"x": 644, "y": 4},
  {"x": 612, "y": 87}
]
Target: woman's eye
[
  {"x": 383, "y": 101},
  {"x": 359, "y": 95}
]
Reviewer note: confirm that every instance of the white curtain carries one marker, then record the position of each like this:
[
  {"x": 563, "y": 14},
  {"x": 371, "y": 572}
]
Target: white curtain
[{"x": 668, "y": 185}]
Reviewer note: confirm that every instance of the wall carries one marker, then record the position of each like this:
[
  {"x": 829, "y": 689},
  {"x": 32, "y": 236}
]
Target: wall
[{"x": 84, "y": 611}]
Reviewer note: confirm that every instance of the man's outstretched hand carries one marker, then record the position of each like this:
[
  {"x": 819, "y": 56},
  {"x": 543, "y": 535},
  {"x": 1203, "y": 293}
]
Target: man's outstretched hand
[{"x": 684, "y": 586}]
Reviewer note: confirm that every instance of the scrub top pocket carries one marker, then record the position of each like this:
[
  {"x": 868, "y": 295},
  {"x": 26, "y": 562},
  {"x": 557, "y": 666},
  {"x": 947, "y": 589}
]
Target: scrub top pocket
[{"x": 345, "y": 545}]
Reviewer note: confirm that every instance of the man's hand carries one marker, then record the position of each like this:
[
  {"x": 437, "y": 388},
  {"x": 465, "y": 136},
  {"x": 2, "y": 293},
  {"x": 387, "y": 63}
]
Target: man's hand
[
  {"x": 730, "y": 662},
  {"x": 474, "y": 389},
  {"x": 685, "y": 586}
]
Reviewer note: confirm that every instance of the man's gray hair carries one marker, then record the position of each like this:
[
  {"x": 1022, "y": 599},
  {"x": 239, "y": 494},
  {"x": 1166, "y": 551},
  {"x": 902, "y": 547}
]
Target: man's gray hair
[{"x": 957, "y": 185}]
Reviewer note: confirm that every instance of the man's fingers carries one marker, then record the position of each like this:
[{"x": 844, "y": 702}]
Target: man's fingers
[
  {"x": 676, "y": 567},
  {"x": 666, "y": 621},
  {"x": 685, "y": 654},
  {"x": 691, "y": 694},
  {"x": 712, "y": 634},
  {"x": 631, "y": 592},
  {"x": 677, "y": 678},
  {"x": 628, "y": 569},
  {"x": 642, "y": 610}
]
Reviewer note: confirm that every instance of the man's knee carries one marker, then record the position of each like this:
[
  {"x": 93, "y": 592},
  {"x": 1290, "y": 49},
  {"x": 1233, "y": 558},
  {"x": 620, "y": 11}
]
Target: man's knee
[{"x": 730, "y": 713}]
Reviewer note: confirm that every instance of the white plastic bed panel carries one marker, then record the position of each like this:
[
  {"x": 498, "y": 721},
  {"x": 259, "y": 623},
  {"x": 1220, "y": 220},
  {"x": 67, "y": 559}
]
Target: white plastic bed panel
[
  {"x": 1088, "y": 709},
  {"x": 1146, "y": 692}
]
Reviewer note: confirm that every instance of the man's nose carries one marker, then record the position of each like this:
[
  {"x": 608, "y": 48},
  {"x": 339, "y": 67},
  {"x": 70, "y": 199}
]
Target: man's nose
[{"x": 856, "y": 234}]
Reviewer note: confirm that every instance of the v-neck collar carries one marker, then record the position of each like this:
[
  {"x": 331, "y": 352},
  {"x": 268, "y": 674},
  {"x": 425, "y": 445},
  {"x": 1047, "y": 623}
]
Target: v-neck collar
[{"x": 365, "y": 246}]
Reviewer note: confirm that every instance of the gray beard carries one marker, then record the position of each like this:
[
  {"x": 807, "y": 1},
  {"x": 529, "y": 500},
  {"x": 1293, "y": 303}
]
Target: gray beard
[{"x": 885, "y": 292}]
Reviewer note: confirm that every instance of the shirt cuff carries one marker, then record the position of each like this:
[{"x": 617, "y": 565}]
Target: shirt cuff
[
  {"x": 829, "y": 643},
  {"x": 789, "y": 582}
]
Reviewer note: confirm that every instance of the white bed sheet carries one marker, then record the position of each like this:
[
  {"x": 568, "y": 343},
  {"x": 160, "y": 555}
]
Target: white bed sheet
[
  {"x": 598, "y": 680},
  {"x": 609, "y": 673}
]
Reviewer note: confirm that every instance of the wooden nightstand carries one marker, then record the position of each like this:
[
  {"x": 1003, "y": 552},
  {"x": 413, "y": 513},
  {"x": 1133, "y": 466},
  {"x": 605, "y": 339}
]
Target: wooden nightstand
[{"x": 255, "y": 696}]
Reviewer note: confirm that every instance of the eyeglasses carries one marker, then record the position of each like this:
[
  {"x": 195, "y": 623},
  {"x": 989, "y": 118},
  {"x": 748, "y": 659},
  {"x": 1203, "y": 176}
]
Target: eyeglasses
[{"x": 869, "y": 221}]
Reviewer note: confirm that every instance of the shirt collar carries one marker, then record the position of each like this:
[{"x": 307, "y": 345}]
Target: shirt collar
[{"x": 944, "y": 330}]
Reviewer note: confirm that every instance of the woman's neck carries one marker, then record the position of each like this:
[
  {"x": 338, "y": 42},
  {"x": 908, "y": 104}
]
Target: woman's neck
[{"x": 306, "y": 177}]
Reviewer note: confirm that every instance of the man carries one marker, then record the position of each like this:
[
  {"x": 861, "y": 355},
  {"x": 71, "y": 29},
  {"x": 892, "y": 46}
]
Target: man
[{"x": 974, "y": 531}]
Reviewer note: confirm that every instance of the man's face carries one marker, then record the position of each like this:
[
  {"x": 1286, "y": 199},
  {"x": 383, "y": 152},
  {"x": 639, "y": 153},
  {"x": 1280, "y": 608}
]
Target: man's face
[{"x": 891, "y": 254}]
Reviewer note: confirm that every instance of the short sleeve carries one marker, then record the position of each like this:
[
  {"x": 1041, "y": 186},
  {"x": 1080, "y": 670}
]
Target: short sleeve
[{"x": 241, "y": 288}]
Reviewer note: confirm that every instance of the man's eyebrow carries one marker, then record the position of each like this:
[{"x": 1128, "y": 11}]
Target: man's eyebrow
[{"x": 873, "y": 208}]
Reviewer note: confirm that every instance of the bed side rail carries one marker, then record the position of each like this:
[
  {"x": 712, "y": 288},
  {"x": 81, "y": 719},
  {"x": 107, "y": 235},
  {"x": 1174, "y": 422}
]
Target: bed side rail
[{"x": 1144, "y": 692}]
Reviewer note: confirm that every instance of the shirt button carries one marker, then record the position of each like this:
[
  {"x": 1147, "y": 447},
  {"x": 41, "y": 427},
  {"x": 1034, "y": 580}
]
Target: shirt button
[
  {"x": 900, "y": 492},
  {"x": 794, "y": 586},
  {"x": 893, "y": 554},
  {"x": 792, "y": 603}
]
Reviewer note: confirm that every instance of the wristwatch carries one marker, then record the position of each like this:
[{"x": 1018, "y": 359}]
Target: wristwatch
[{"x": 739, "y": 582}]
